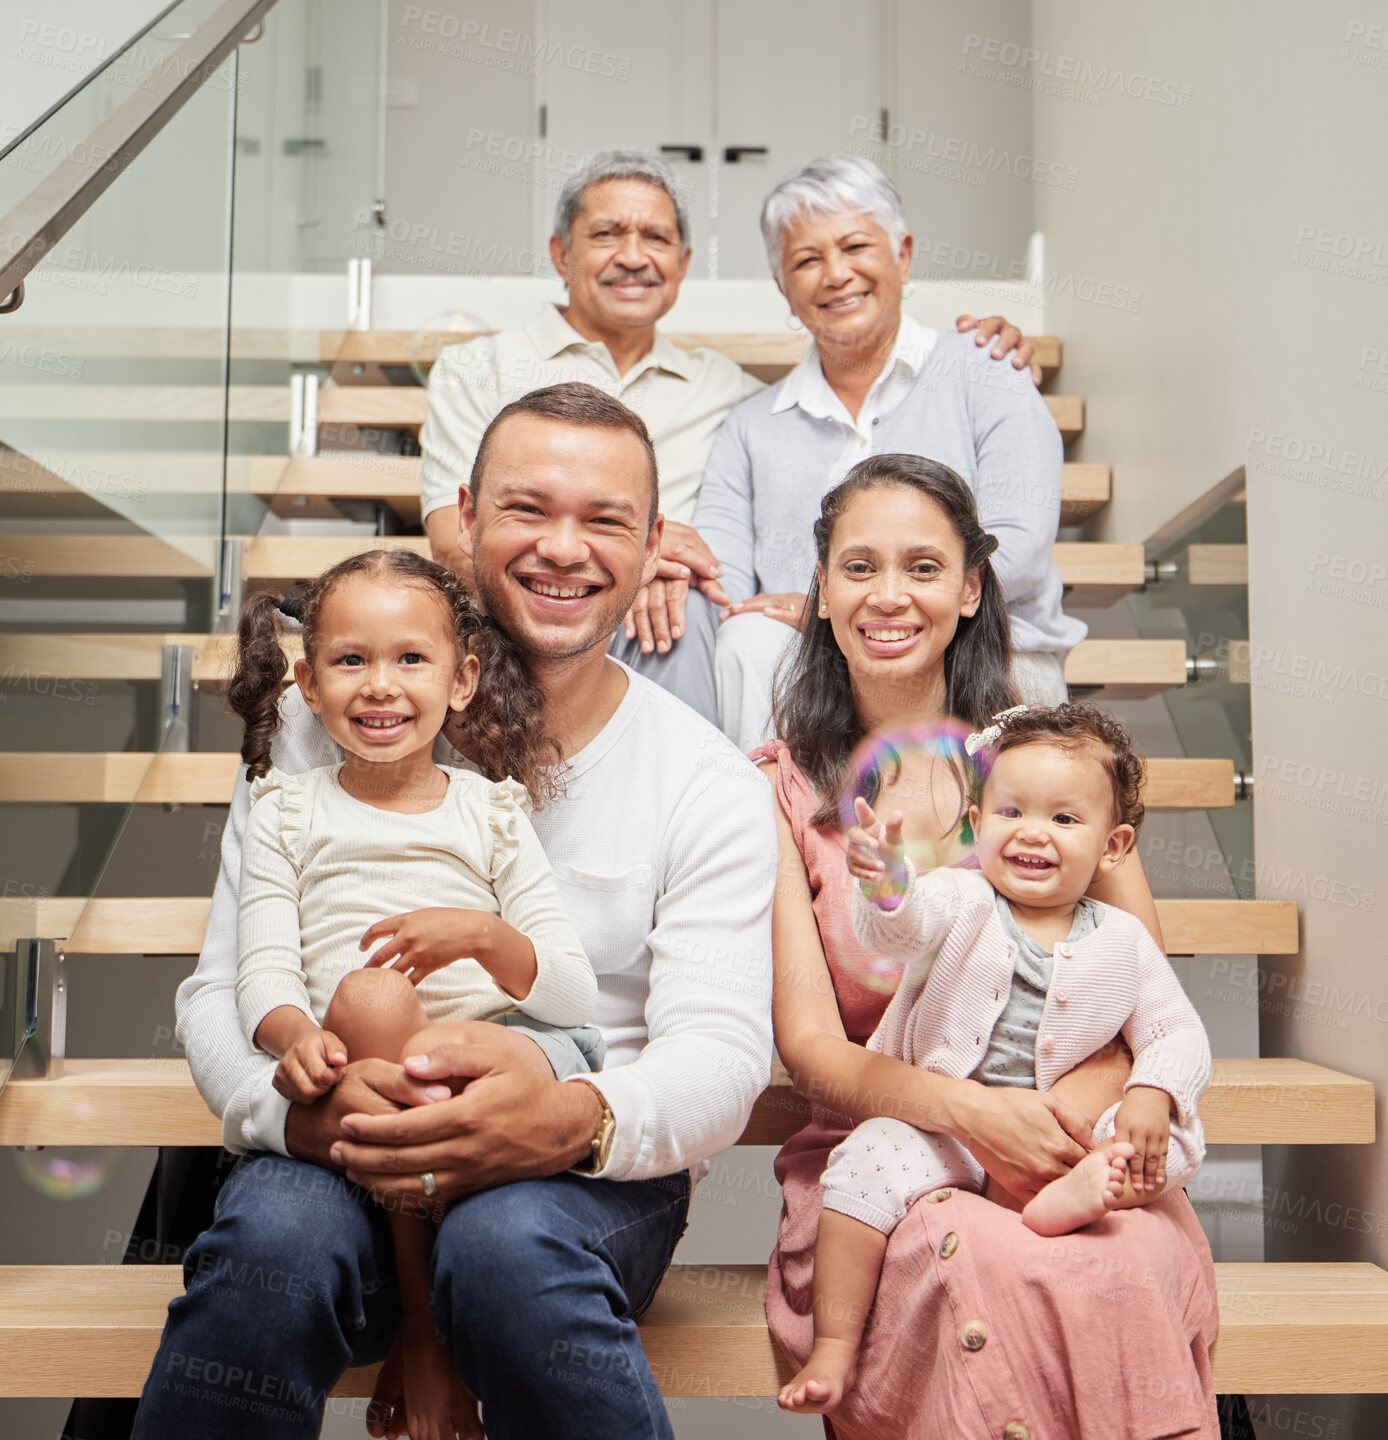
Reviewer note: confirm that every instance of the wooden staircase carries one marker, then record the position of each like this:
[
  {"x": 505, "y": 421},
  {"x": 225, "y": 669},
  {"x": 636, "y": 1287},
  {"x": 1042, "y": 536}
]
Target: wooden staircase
[{"x": 93, "y": 1330}]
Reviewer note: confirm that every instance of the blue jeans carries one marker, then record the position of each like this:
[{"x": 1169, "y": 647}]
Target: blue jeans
[{"x": 536, "y": 1288}]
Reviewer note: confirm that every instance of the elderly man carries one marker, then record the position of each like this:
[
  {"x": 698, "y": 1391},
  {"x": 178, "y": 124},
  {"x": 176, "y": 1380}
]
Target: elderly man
[
  {"x": 566, "y": 1199},
  {"x": 621, "y": 246}
]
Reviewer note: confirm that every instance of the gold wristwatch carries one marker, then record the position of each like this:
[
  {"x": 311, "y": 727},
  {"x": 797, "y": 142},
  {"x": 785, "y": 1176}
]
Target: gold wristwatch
[{"x": 602, "y": 1142}]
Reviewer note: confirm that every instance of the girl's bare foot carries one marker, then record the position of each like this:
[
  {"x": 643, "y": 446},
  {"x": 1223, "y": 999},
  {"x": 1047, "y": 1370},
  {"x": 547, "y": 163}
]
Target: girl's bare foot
[
  {"x": 385, "y": 1415},
  {"x": 437, "y": 1405},
  {"x": 827, "y": 1376},
  {"x": 1086, "y": 1194}
]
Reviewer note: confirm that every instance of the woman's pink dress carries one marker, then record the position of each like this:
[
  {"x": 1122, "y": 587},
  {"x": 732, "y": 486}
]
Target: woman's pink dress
[{"x": 1104, "y": 1333}]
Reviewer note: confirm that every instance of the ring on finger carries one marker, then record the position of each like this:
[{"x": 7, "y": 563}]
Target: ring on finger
[{"x": 429, "y": 1184}]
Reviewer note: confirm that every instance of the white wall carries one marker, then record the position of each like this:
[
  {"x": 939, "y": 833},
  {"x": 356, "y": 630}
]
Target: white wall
[
  {"x": 1245, "y": 337},
  {"x": 45, "y": 50}
]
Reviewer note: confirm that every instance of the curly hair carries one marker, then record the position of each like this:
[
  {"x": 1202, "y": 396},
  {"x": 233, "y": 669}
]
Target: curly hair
[
  {"x": 503, "y": 726},
  {"x": 1073, "y": 726}
]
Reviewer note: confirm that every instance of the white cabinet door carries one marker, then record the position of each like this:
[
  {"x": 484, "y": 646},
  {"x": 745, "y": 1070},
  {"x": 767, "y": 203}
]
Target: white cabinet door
[
  {"x": 623, "y": 75},
  {"x": 794, "y": 81},
  {"x": 463, "y": 153}
]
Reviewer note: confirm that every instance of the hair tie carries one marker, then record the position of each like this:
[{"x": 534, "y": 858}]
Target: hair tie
[
  {"x": 980, "y": 738},
  {"x": 292, "y": 606}
]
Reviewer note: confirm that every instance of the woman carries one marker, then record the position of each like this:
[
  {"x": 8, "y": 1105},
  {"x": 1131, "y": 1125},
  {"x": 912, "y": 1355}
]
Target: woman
[
  {"x": 981, "y": 1328},
  {"x": 874, "y": 381}
]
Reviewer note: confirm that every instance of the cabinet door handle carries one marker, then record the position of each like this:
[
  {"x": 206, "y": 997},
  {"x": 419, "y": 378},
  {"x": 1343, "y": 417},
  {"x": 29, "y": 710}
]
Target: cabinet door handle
[
  {"x": 692, "y": 153},
  {"x": 734, "y": 153}
]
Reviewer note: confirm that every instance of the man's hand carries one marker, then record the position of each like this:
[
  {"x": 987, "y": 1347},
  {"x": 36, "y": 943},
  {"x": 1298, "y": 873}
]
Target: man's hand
[
  {"x": 508, "y": 1123},
  {"x": 1009, "y": 337},
  {"x": 787, "y": 608},
  {"x": 656, "y": 617},
  {"x": 1024, "y": 1139},
  {"x": 365, "y": 1087},
  {"x": 1144, "y": 1121}
]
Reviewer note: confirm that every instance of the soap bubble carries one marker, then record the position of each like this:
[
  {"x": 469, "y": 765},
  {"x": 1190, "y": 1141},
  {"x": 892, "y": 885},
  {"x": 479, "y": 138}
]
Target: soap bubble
[
  {"x": 72, "y": 1169},
  {"x": 68, "y": 1172},
  {"x": 891, "y": 769},
  {"x": 448, "y": 327}
]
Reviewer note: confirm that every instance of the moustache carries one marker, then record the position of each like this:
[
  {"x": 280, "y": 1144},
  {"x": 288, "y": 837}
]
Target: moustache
[{"x": 644, "y": 278}]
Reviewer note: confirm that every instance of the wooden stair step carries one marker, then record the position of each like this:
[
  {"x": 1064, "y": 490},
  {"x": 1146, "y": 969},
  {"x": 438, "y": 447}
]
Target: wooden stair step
[
  {"x": 87, "y": 777},
  {"x": 1217, "y": 564},
  {"x": 1124, "y": 669},
  {"x": 768, "y": 356},
  {"x": 154, "y": 1102},
  {"x": 1094, "y": 573},
  {"x": 174, "y": 925},
  {"x": 1127, "y": 669},
  {"x": 93, "y": 1330},
  {"x": 119, "y": 777},
  {"x": 772, "y": 352},
  {"x": 143, "y": 557},
  {"x": 403, "y": 407},
  {"x": 307, "y": 487}
]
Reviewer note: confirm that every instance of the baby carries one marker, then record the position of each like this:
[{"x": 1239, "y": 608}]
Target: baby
[{"x": 1012, "y": 978}]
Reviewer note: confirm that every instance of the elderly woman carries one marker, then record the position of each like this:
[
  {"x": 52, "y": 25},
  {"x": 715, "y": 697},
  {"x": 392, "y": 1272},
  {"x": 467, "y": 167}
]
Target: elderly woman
[{"x": 874, "y": 382}]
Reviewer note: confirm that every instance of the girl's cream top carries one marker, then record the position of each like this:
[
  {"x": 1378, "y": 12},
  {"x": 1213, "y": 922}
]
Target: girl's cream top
[{"x": 321, "y": 867}]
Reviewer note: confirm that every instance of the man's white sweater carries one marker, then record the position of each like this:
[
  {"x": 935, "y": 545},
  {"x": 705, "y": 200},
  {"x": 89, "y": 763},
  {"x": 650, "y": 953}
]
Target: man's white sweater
[{"x": 664, "y": 848}]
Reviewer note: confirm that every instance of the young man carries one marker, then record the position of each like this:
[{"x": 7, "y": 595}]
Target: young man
[{"x": 568, "y": 1198}]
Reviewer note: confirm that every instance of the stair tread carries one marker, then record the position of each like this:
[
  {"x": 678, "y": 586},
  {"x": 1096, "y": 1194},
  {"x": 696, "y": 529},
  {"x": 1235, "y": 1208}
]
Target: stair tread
[
  {"x": 1084, "y": 488},
  {"x": 173, "y": 925},
  {"x": 1095, "y": 571},
  {"x": 206, "y": 777},
  {"x": 1293, "y": 1328},
  {"x": 151, "y": 1101}
]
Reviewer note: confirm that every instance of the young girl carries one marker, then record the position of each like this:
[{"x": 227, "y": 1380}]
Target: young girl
[
  {"x": 338, "y": 861},
  {"x": 1012, "y": 978}
]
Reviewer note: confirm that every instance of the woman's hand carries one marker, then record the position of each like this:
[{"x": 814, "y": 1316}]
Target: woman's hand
[
  {"x": 877, "y": 856},
  {"x": 1024, "y": 1139},
  {"x": 786, "y": 608},
  {"x": 422, "y": 941},
  {"x": 1009, "y": 338},
  {"x": 311, "y": 1066}
]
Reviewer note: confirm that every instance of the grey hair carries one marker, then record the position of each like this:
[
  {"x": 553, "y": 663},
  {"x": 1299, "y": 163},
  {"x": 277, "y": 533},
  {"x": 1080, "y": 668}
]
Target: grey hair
[
  {"x": 831, "y": 185},
  {"x": 618, "y": 165}
]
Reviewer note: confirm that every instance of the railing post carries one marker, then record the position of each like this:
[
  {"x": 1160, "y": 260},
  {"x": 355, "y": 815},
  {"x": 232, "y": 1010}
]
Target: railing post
[
  {"x": 303, "y": 416},
  {"x": 231, "y": 584},
  {"x": 176, "y": 697},
  {"x": 359, "y": 294},
  {"x": 40, "y": 1039}
]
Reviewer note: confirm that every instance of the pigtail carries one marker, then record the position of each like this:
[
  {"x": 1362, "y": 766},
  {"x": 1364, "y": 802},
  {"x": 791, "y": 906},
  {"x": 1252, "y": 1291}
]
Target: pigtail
[
  {"x": 254, "y": 692},
  {"x": 504, "y": 724}
]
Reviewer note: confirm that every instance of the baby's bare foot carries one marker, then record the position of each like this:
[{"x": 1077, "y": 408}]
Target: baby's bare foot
[
  {"x": 1086, "y": 1194},
  {"x": 826, "y": 1378}
]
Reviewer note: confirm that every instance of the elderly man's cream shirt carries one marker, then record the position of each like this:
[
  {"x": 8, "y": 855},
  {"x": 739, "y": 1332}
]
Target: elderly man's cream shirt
[{"x": 682, "y": 396}]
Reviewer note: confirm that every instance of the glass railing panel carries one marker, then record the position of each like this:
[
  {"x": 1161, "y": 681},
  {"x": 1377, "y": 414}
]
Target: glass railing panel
[
  {"x": 119, "y": 71},
  {"x": 307, "y": 178},
  {"x": 113, "y": 415},
  {"x": 1198, "y": 593}
]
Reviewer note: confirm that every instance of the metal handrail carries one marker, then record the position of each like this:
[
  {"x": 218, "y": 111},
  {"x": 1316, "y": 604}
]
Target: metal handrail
[{"x": 34, "y": 226}]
